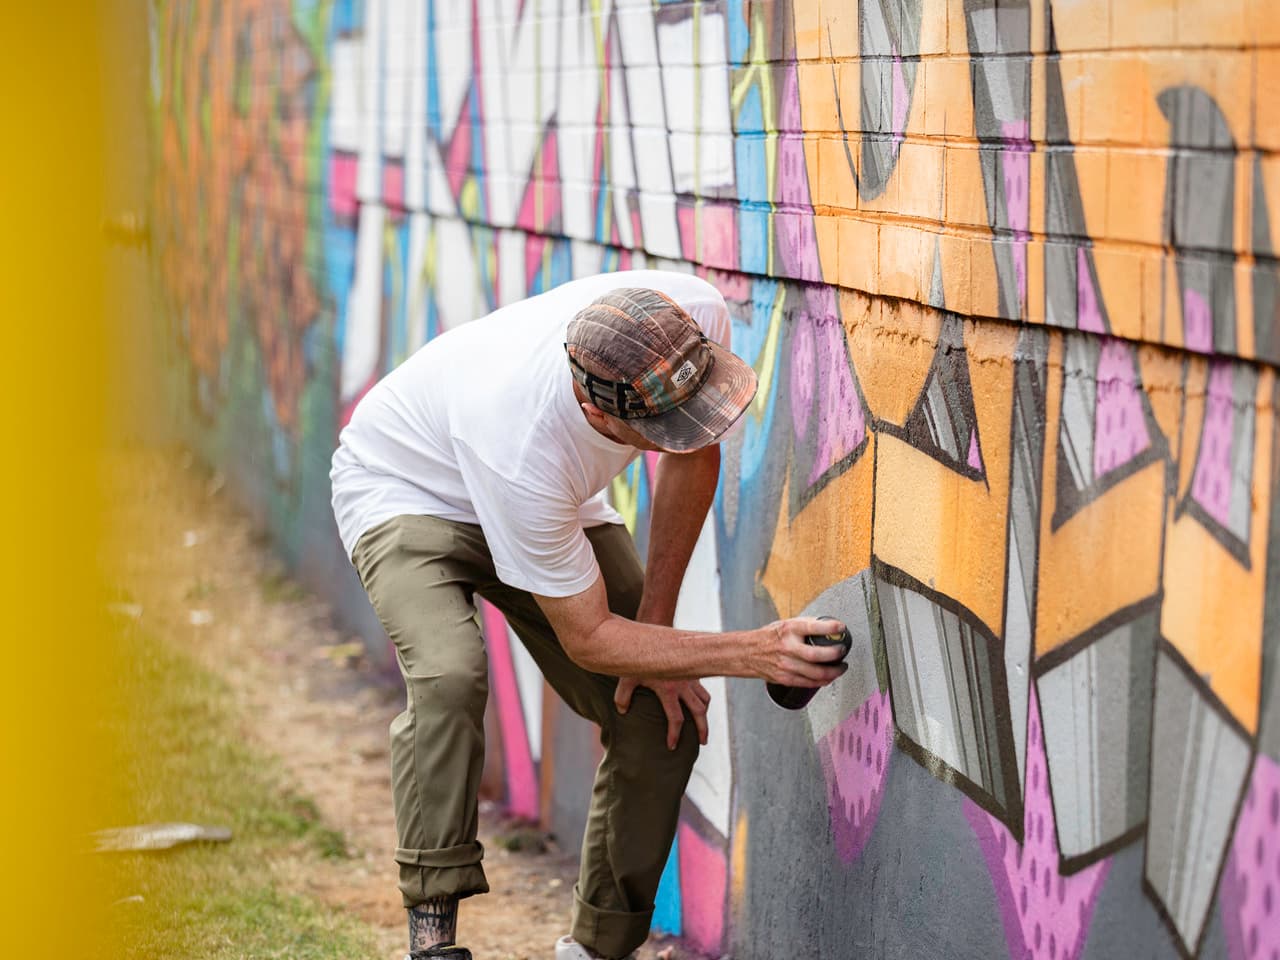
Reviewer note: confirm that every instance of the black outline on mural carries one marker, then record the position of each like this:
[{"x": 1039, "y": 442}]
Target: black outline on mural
[{"x": 1013, "y": 816}]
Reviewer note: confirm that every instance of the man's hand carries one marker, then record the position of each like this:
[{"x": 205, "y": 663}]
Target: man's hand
[{"x": 671, "y": 693}]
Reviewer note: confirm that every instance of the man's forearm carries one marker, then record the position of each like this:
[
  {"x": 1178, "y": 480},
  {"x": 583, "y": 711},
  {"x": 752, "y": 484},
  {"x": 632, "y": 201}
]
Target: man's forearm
[
  {"x": 625, "y": 648},
  {"x": 684, "y": 487}
]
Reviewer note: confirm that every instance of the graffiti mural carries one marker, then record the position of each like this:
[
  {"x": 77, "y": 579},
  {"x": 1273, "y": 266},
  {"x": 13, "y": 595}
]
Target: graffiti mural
[{"x": 1006, "y": 273}]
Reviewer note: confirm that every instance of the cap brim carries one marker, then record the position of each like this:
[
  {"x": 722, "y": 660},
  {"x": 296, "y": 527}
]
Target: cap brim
[{"x": 708, "y": 414}]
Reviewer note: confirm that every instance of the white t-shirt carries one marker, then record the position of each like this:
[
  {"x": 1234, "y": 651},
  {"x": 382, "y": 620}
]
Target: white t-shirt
[{"x": 481, "y": 426}]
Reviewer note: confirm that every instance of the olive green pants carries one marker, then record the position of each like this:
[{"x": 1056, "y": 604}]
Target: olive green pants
[{"x": 422, "y": 575}]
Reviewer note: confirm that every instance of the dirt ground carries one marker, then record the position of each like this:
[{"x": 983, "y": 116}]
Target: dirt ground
[{"x": 195, "y": 572}]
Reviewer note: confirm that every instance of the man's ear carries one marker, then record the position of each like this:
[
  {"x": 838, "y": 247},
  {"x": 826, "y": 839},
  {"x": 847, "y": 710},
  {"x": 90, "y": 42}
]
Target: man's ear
[{"x": 595, "y": 416}]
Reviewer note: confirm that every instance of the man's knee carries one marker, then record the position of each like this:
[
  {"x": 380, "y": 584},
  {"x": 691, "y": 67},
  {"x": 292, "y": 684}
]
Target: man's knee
[
  {"x": 645, "y": 724},
  {"x": 456, "y": 684}
]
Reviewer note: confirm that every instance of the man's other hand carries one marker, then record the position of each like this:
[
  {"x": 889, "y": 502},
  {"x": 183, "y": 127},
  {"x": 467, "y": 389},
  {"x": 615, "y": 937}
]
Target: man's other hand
[{"x": 671, "y": 693}]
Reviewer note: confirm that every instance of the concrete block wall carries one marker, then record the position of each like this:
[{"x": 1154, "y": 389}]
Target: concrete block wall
[{"x": 1006, "y": 271}]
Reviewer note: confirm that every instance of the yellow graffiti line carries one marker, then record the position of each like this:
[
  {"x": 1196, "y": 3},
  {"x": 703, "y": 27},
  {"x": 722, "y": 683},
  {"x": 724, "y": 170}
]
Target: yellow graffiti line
[
  {"x": 392, "y": 257},
  {"x": 603, "y": 112},
  {"x": 768, "y": 357},
  {"x": 469, "y": 199},
  {"x": 625, "y": 494}
]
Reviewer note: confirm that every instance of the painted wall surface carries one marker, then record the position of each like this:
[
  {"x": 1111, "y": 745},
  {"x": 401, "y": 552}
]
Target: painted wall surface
[{"x": 1006, "y": 270}]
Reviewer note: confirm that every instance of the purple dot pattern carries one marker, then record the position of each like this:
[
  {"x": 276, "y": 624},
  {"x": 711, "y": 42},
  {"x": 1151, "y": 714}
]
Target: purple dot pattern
[
  {"x": 1088, "y": 310},
  {"x": 1120, "y": 424},
  {"x": 1211, "y": 484},
  {"x": 1197, "y": 322},
  {"x": 1045, "y": 914},
  {"x": 855, "y": 765},
  {"x": 822, "y": 378},
  {"x": 1249, "y": 897}
]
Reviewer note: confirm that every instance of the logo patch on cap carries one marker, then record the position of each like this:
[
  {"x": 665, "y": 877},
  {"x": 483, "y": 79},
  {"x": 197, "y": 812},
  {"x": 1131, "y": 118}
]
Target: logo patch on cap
[{"x": 686, "y": 371}]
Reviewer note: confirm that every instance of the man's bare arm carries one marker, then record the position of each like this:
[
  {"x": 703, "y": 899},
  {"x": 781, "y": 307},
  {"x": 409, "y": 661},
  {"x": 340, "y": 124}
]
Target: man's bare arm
[
  {"x": 684, "y": 486},
  {"x": 604, "y": 643}
]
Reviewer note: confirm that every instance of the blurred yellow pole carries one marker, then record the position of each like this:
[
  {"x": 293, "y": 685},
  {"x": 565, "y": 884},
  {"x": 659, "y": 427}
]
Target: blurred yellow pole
[{"x": 58, "y": 650}]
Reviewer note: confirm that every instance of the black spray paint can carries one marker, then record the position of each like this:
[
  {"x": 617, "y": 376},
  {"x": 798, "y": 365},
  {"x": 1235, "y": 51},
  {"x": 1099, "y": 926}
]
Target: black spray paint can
[{"x": 794, "y": 698}]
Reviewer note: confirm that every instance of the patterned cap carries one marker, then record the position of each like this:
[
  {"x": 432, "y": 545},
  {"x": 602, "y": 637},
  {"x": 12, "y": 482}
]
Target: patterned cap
[{"x": 641, "y": 358}]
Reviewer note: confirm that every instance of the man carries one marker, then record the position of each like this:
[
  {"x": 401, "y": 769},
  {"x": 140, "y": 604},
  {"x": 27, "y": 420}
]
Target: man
[{"x": 478, "y": 467}]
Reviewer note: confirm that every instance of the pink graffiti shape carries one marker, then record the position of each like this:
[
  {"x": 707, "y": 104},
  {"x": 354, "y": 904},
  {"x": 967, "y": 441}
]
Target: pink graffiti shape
[
  {"x": 804, "y": 377},
  {"x": 703, "y": 881},
  {"x": 393, "y": 185},
  {"x": 1211, "y": 485},
  {"x": 458, "y": 157},
  {"x": 1046, "y": 915},
  {"x": 720, "y": 235},
  {"x": 522, "y": 780},
  {"x": 1088, "y": 312},
  {"x": 1197, "y": 322},
  {"x": 975, "y": 452},
  {"x": 901, "y": 98},
  {"x": 795, "y": 241},
  {"x": 1120, "y": 423},
  {"x": 1250, "y": 891},
  {"x": 651, "y": 465},
  {"x": 686, "y": 218},
  {"x": 540, "y": 205},
  {"x": 842, "y": 425},
  {"x": 855, "y": 764},
  {"x": 342, "y": 184}
]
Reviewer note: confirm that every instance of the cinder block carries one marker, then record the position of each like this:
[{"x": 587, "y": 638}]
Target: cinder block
[
  {"x": 1114, "y": 93},
  {"x": 1120, "y": 280},
  {"x": 805, "y": 16},
  {"x": 1217, "y": 23},
  {"x": 1261, "y": 22},
  {"x": 836, "y": 174},
  {"x": 839, "y": 26},
  {"x": 819, "y": 87},
  {"x": 1266, "y": 102},
  {"x": 1137, "y": 24},
  {"x": 920, "y": 171},
  {"x": 1136, "y": 195},
  {"x": 849, "y": 79},
  {"x": 949, "y": 106},
  {"x": 965, "y": 194},
  {"x": 1082, "y": 27},
  {"x": 933, "y": 28},
  {"x": 859, "y": 246},
  {"x": 900, "y": 252},
  {"x": 827, "y": 231}
]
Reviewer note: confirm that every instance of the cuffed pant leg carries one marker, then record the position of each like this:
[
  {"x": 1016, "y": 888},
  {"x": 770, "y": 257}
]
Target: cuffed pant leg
[
  {"x": 636, "y": 797},
  {"x": 635, "y": 809},
  {"x": 422, "y": 594}
]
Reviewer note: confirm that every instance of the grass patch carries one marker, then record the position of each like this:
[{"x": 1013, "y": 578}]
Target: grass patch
[
  {"x": 278, "y": 587},
  {"x": 182, "y": 757}
]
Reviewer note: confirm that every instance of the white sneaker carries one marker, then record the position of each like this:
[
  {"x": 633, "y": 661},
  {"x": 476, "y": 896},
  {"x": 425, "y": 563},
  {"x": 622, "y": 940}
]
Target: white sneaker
[{"x": 568, "y": 948}]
